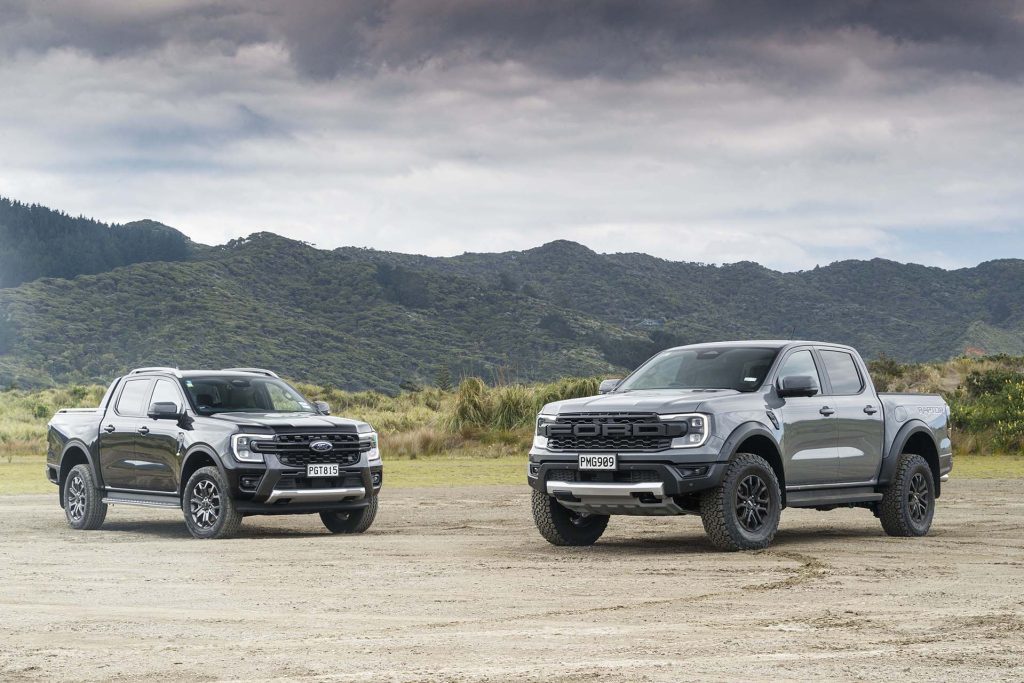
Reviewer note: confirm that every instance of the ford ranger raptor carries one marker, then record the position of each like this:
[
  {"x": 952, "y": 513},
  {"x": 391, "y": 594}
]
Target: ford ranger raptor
[{"x": 735, "y": 432}]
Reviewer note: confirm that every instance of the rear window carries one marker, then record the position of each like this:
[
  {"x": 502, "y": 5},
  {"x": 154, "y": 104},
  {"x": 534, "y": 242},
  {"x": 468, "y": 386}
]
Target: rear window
[{"x": 842, "y": 372}]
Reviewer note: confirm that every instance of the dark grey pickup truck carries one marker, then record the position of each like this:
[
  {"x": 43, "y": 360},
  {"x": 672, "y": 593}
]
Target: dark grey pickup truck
[
  {"x": 217, "y": 445},
  {"x": 735, "y": 432}
]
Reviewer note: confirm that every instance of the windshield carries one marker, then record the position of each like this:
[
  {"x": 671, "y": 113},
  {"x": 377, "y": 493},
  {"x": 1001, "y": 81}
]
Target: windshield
[
  {"x": 708, "y": 367},
  {"x": 226, "y": 394}
]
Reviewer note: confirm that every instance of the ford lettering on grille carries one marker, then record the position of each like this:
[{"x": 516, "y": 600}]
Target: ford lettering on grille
[
  {"x": 321, "y": 446},
  {"x": 612, "y": 429}
]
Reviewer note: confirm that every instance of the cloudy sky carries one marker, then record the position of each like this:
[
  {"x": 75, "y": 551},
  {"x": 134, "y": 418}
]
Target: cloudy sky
[{"x": 790, "y": 133}]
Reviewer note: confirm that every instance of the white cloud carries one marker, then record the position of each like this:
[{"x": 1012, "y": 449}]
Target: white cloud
[{"x": 844, "y": 143}]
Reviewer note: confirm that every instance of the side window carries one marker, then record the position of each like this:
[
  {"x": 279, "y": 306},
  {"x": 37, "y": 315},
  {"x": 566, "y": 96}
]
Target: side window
[
  {"x": 166, "y": 392},
  {"x": 842, "y": 372},
  {"x": 800, "y": 363},
  {"x": 130, "y": 403}
]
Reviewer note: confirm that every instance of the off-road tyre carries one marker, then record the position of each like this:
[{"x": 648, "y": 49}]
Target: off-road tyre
[
  {"x": 207, "y": 506},
  {"x": 742, "y": 513},
  {"x": 908, "y": 503},
  {"x": 83, "y": 501},
  {"x": 350, "y": 522},
  {"x": 561, "y": 526}
]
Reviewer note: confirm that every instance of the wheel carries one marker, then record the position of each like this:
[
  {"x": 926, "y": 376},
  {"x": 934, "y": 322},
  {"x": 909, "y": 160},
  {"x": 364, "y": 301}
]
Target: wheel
[
  {"x": 561, "y": 526},
  {"x": 743, "y": 512},
  {"x": 83, "y": 502},
  {"x": 209, "y": 511},
  {"x": 908, "y": 504},
  {"x": 353, "y": 522}
]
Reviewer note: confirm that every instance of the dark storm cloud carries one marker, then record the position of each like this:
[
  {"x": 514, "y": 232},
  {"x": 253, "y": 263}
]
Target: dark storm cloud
[{"x": 567, "y": 38}]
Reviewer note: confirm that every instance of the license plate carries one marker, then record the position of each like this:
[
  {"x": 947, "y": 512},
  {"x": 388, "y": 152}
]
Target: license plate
[
  {"x": 322, "y": 470},
  {"x": 597, "y": 462}
]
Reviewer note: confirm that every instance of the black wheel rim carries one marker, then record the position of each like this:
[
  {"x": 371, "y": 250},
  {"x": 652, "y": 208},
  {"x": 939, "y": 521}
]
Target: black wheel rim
[
  {"x": 204, "y": 505},
  {"x": 752, "y": 503},
  {"x": 919, "y": 498},
  {"x": 75, "y": 501}
]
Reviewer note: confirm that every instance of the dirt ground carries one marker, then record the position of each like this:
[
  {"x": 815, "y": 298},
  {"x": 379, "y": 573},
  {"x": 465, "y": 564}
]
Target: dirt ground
[{"x": 456, "y": 585}]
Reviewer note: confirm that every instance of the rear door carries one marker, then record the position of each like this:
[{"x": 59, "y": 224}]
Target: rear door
[
  {"x": 156, "y": 446},
  {"x": 809, "y": 430},
  {"x": 858, "y": 417},
  {"x": 119, "y": 463}
]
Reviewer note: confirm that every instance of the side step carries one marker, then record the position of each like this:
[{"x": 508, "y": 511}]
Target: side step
[
  {"x": 142, "y": 500},
  {"x": 825, "y": 497}
]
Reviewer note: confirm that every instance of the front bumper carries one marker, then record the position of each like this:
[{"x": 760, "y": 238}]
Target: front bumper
[
  {"x": 642, "y": 484},
  {"x": 273, "y": 488}
]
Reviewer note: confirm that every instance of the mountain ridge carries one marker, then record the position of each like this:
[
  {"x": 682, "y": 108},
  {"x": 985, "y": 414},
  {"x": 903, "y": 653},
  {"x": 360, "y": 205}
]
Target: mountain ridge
[{"x": 363, "y": 318}]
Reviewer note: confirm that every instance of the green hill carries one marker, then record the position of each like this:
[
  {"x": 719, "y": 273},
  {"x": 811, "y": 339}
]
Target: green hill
[
  {"x": 38, "y": 242},
  {"x": 359, "y": 318}
]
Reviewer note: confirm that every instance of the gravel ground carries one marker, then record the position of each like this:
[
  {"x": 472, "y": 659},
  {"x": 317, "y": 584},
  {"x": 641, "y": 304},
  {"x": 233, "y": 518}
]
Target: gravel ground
[{"x": 456, "y": 585}]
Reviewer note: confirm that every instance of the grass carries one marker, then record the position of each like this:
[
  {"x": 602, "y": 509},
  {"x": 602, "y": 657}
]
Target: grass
[{"x": 479, "y": 434}]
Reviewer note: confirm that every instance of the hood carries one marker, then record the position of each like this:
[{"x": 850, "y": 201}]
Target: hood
[
  {"x": 661, "y": 401},
  {"x": 287, "y": 421}
]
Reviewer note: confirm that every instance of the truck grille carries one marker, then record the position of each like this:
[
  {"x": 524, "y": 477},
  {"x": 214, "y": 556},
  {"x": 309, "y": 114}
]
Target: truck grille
[
  {"x": 619, "y": 444},
  {"x": 293, "y": 449},
  {"x": 618, "y": 477}
]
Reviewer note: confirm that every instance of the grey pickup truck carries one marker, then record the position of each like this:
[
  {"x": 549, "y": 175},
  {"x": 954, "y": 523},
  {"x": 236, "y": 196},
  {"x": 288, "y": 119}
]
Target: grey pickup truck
[
  {"x": 216, "y": 445},
  {"x": 735, "y": 432}
]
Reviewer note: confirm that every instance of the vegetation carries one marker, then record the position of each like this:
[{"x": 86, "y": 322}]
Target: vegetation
[
  {"x": 363, "y": 319},
  {"x": 39, "y": 242},
  {"x": 477, "y": 422}
]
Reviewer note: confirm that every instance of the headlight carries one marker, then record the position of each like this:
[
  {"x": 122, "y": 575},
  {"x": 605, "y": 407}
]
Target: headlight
[
  {"x": 697, "y": 429},
  {"x": 372, "y": 455},
  {"x": 545, "y": 420},
  {"x": 540, "y": 440},
  {"x": 241, "y": 447}
]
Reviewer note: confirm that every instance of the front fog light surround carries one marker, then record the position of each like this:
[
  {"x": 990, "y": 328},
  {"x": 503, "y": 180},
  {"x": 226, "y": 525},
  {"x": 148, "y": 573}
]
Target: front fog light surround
[
  {"x": 241, "y": 447},
  {"x": 697, "y": 429}
]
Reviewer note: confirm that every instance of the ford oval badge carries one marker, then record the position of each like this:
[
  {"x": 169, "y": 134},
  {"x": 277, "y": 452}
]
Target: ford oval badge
[{"x": 321, "y": 446}]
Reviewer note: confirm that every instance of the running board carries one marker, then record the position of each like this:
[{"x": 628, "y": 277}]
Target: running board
[
  {"x": 826, "y": 497},
  {"x": 142, "y": 500}
]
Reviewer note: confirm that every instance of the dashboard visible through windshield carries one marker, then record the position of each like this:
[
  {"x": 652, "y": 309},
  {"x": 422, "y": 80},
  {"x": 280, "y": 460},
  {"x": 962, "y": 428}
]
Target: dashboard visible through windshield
[
  {"x": 218, "y": 394},
  {"x": 740, "y": 369}
]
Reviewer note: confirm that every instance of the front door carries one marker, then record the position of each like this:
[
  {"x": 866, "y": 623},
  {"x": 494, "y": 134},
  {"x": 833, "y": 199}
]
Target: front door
[
  {"x": 119, "y": 464},
  {"x": 809, "y": 428},
  {"x": 858, "y": 418},
  {"x": 156, "y": 446}
]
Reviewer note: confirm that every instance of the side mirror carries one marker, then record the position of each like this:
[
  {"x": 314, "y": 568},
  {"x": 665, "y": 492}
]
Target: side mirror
[
  {"x": 798, "y": 385},
  {"x": 164, "y": 411},
  {"x": 608, "y": 386},
  {"x": 322, "y": 407}
]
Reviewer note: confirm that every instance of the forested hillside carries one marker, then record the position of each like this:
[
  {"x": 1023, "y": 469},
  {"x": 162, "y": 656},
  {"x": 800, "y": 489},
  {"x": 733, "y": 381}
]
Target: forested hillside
[
  {"x": 359, "y": 319},
  {"x": 38, "y": 242}
]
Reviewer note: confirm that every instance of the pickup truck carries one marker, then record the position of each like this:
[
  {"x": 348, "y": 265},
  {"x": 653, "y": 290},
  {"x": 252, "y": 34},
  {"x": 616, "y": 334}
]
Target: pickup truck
[
  {"x": 217, "y": 445},
  {"x": 735, "y": 432}
]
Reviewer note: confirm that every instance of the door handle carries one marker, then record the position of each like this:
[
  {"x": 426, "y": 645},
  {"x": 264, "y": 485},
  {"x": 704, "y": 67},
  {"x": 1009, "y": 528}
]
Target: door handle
[
  {"x": 870, "y": 410},
  {"x": 143, "y": 430},
  {"x": 109, "y": 428},
  {"x": 826, "y": 411}
]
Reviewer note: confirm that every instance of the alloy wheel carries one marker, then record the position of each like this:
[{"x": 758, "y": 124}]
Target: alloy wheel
[
  {"x": 204, "y": 505},
  {"x": 752, "y": 503},
  {"x": 918, "y": 498},
  {"x": 75, "y": 500}
]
